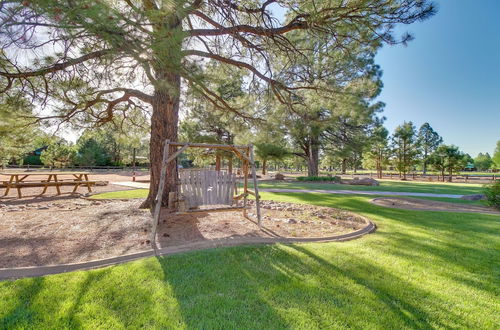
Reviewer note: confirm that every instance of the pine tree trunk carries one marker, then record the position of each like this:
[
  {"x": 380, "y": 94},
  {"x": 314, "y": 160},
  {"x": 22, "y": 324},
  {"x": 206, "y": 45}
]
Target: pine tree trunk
[
  {"x": 424, "y": 165},
  {"x": 164, "y": 123},
  {"x": 230, "y": 164},
  {"x": 379, "y": 168},
  {"x": 217, "y": 162},
  {"x": 264, "y": 165},
  {"x": 344, "y": 166},
  {"x": 313, "y": 159}
]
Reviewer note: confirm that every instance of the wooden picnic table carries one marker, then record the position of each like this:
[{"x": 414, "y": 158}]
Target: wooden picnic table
[{"x": 18, "y": 180}]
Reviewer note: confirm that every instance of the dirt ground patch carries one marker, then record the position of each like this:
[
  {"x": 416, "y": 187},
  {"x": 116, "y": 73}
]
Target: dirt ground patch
[
  {"x": 68, "y": 229},
  {"x": 278, "y": 220},
  {"x": 430, "y": 205}
]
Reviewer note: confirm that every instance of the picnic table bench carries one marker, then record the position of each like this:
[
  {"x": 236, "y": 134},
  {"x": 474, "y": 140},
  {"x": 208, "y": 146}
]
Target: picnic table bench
[{"x": 18, "y": 181}]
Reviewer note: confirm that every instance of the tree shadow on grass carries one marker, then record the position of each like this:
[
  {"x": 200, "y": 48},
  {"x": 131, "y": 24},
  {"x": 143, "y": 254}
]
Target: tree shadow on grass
[
  {"x": 296, "y": 286},
  {"x": 278, "y": 286},
  {"x": 20, "y": 312},
  {"x": 110, "y": 298},
  {"x": 460, "y": 246},
  {"x": 291, "y": 286}
]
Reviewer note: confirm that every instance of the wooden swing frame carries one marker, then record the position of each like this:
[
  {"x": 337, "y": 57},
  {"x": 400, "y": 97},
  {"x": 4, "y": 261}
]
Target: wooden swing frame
[{"x": 243, "y": 152}]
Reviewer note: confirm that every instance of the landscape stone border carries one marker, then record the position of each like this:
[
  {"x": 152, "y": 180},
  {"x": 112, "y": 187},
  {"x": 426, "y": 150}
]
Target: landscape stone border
[{"x": 24, "y": 272}]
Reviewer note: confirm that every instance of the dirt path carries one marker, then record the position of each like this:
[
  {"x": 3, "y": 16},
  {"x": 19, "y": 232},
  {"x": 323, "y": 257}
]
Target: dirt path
[{"x": 428, "y": 205}]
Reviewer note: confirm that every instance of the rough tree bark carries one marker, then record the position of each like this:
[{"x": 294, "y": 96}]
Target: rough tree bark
[
  {"x": 424, "y": 163},
  {"x": 379, "y": 166},
  {"x": 230, "y": 164},
  {"x": 264, "y": 165},
  {"x": 164, "y": 124},
  {"x": 313, "y": 158},
  {"x": 343, "y": 166},
  {"x": 217, "y": 162}
]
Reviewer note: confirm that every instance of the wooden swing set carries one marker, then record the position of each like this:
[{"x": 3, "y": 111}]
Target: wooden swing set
[{"x": 204, "y": 187}]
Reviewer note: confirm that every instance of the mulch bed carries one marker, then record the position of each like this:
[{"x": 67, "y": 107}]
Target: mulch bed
[{"x": 68, "y": 229}]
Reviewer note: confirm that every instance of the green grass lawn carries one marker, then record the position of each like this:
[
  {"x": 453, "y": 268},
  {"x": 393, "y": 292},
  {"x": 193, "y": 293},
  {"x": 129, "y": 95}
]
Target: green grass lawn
[
  {"x": 143, "y": 193},
  {"x": 122, "y": 194},
  {"x": 385, "y": 185},
  {"x": 418, "y": 270}
]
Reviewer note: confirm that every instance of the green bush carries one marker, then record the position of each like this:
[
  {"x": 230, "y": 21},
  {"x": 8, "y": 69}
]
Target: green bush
[
  {"x": 32, "y": 160},
  {"x": 319, "y": 178},
  {"x": 492, "y": 192}
]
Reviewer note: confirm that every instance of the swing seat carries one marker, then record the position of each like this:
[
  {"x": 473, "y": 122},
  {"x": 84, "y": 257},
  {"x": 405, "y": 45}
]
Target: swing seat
[{"x": 202, "y": 187}]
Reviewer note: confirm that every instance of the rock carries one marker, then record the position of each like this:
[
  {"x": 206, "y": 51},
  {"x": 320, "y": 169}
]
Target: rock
[
  {"x": 364, "y": 182},
  {"x": 101, "y": 183},
  {"x": 279, "y": 176},
  {"x": 2, "y": 206},
  {"x": 43, "y": 208},
  {"x": 477, "y": 197},
  {"x": 292, "y": 221}
]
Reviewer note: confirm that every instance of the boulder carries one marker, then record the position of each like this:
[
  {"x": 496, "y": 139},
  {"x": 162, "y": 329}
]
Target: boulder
[
  {"x": 477, "y": 197},
  {"x": 364, "y": 182},
  {"x": 279, "y": 176}
]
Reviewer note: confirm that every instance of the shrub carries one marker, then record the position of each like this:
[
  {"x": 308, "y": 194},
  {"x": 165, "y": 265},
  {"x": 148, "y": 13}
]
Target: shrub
[
  {"x": 319, "y": 178},
  {"x": 492, "y": 192}
]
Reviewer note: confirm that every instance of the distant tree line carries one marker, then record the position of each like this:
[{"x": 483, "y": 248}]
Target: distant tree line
[{"x": 96, "y": 147}]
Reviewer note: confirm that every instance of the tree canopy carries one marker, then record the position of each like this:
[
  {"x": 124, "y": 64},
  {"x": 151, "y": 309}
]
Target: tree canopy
[
  {"x": 496, "y": 156},
  {"x": 405, "y": 147},
  {"x": 428, "y": 141},
  {"x": 483, "y": 162},
  {"x": 87, "y": 60},
  {"x": 448, "y": 158}
]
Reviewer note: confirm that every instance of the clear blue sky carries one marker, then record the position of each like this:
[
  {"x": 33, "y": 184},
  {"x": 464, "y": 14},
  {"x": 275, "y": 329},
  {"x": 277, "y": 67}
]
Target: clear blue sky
[{"x": 449, "y": 75}]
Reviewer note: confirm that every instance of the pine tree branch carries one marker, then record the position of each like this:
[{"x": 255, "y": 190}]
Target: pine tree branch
[{"x": 58, "y": 66}]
